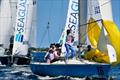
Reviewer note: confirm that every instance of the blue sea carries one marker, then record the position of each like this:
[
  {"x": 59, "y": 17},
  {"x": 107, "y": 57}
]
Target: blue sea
[{"x": 24, "y": 73}]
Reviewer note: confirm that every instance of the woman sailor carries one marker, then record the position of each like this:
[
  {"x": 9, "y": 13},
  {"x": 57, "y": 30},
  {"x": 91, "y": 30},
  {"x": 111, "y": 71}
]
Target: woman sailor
[{"x": 70, "y": 52}]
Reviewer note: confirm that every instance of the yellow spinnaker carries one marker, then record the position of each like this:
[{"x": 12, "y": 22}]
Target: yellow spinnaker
[
  {"x": 114, "y": 36},
  {"x": 93, "y": 32}
]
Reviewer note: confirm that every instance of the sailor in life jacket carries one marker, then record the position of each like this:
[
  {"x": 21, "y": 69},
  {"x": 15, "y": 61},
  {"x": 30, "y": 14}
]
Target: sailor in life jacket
[{"x": 70, "y": 52}]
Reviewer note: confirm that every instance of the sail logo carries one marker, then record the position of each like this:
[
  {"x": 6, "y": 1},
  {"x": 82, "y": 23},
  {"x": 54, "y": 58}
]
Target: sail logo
[
  {"x": 73, "y": 16},
  {"x": 72, "y": 20},
  {"x": 22, "y": 5},
  {"x": 19, "y": 38},
  {"x": 20, "y": 20}
]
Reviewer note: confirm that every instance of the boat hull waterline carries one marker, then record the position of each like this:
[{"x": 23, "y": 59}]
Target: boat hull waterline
[
  {"x": 75, "y": 70},
  {"x": 6, "y": 60}
]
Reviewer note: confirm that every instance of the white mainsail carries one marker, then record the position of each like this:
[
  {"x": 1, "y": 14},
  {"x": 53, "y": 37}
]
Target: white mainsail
[
  {"x": 71, "y": 23},
  {"x": 13, "y": 6},
  {"x": 100, "y": 10},
  {"x": 5, "y": 22},
  {"x": 23, "y": 27}
]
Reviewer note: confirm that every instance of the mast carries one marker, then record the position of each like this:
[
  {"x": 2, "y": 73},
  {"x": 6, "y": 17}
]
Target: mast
[
  {"x": 79, "y": 35},
  {"x": 82, "y": 19}
]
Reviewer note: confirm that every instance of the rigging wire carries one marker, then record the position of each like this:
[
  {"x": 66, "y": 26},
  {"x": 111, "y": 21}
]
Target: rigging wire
[
  {"x": 47, "y": 30},
  {"x": 61, "y": 25},
  {"x": 105, "y": 3},
  {"x": 44, "y": 34},
  {"x": 48, "y": 25},
  {"x": 91, "y": 28}
]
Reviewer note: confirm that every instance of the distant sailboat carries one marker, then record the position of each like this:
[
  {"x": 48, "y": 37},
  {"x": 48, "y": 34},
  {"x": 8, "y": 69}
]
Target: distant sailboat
[
  {"x": 74, "y": 67},
  {"x": 5, "y": 28},
  {"x": 23, "y": 27}
]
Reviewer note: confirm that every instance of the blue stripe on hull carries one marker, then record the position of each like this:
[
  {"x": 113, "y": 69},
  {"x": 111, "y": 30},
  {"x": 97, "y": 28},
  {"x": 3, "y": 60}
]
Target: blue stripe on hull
[{"x": 77, "y": 70}]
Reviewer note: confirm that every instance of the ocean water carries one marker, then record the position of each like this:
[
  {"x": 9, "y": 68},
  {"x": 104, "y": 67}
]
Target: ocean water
[{"x": 24, "y": 73}]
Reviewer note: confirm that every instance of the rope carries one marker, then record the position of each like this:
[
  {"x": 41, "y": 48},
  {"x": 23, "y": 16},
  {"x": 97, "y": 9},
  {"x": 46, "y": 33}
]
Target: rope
[
  {"x": 46, "y": 31},
  {"x": 42, "y": 38},
  {"x": 49, "y": 38},
  {"x": 91, "y": 28}
]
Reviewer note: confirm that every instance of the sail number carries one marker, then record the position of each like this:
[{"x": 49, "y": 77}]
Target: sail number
[{"x": 97, "y": 9}]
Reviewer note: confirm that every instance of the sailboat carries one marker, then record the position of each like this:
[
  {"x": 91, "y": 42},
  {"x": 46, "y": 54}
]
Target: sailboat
[
  {"x": 5, "y": 29},
  {"x": 21, "y": 32},
  {"x": 91, "y": 13}
]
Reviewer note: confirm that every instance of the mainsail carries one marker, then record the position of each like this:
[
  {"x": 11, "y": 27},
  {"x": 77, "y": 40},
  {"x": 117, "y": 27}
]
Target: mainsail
[
  {"x": 71, "y": 22},
  {"x": 32, "y": 39},
  {"x": 22, "y": 27}
]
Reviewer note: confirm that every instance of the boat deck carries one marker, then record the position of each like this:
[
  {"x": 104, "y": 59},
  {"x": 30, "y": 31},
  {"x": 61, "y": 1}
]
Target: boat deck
[{"x": 70, "y": 61}]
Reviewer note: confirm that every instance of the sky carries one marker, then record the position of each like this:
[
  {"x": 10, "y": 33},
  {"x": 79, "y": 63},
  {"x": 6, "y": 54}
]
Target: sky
[{"x": 51, "y": 18}]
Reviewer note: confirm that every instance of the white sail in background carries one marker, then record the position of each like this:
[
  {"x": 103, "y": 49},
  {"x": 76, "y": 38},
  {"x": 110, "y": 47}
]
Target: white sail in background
[
  {"x": 23, "y": 27},
  {"x": 106, "y": 9},
  {"x": 13, "y": 6},
  {"x": 28, "y": 27},
  {"x": 71, "y": 22},
  {"x": 101, "y": 10},
  {"x": 5, "y": 22},
  {"x": 33, "y": 29}
]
